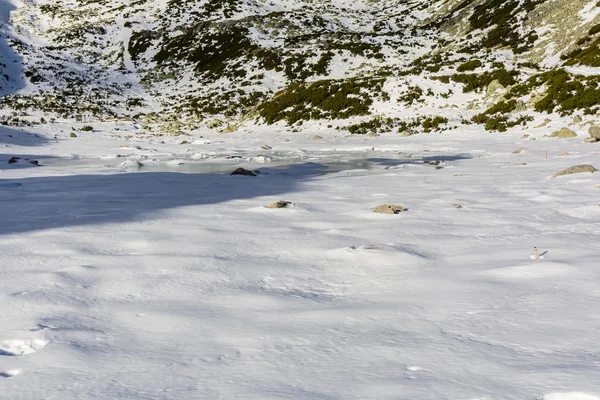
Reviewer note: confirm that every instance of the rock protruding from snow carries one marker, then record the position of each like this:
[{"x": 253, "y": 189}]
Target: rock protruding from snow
[
  {"x": 279, "y": 204},
  {"x": 564, "y": 133},
  {"x": 493, "y": 87},
  {"x": 19, "y": 160},
  {"x": 577, "y": 169},
  {"x": 594, "y": 132},
  {"x": 131, "y": 164},
  {"x": 244, "y": 172},
  {"x": 389, "y": 209}
]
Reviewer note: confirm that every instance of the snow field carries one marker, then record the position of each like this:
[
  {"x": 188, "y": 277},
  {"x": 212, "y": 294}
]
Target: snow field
[{"x": 163, "y": 285}]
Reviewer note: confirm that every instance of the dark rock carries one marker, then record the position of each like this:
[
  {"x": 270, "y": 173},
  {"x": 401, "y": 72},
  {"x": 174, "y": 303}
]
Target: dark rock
[
  {"x": 14, "y": 160},
  {"x": 242, "y": 171}
]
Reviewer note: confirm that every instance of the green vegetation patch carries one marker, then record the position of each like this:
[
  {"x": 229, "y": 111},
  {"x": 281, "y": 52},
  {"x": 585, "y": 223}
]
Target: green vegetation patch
[
  {"x": 469, "y": 66},
  {"x": 588, "y": 56},
  {"x": 479, "y": 82},
  {"x": 504, "y": 16},
  {"x": 497, "y": 118},
  {"x": 326, "y": 99},
  {"x": 565, "y": 92},
  {"x": 375, "y": 125}
]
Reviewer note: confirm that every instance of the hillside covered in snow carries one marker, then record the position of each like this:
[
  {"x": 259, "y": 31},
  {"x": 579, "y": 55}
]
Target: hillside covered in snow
[{"x": 179, "y": 64}]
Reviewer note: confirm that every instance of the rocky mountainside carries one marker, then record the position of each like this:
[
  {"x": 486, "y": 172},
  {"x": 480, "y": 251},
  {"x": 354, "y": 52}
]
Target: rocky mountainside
[{"x": 365, "y": 64}]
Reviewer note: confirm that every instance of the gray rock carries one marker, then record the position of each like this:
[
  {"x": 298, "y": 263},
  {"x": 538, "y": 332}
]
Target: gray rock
[
  {"x": 317, "y": 137},
  {"x": 591, "y": 140},
  {"x": 594, "y": 131},
  {"x": 577, "y": 169},
  {"x": 564, "y": 133},
  {"x": 577, "y": 119},
  {"x": 493, "y": 87},
  {"x": 521, "y": 106}
]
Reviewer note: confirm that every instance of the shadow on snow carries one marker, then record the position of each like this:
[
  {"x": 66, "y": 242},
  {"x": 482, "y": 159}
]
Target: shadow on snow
[
  {"x": 62, "y": 201},
  {"x": 18, "y": 137},
  {"x": 39, "y": 203}
]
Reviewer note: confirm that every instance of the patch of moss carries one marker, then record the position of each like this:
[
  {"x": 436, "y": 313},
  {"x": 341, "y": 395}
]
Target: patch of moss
[{"x": 496, "y": 118}]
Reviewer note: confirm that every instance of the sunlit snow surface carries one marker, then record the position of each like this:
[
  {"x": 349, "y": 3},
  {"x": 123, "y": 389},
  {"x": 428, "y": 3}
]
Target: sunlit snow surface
[{"x": 167, "y": 278}]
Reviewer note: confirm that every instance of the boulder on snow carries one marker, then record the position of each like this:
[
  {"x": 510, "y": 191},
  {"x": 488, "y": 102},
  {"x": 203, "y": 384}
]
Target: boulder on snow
[
  {"x": 577, "y": 169},
  {"x": 518, "y": 151},
  {"x": 493, "y": 87},
  {"x": 520, "y": 107},
  {"x": 591, "y": 140},
  {"x": 317, "y": 137},
  {"x": 577, "y": 119},
  {"x": 279, "y": 204},
  {"x": 564, "y": 133},
  {"x": 389, "y": 209},
  {"x": 243, "y": 172},
  {"x": 594, "y": 131}
]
